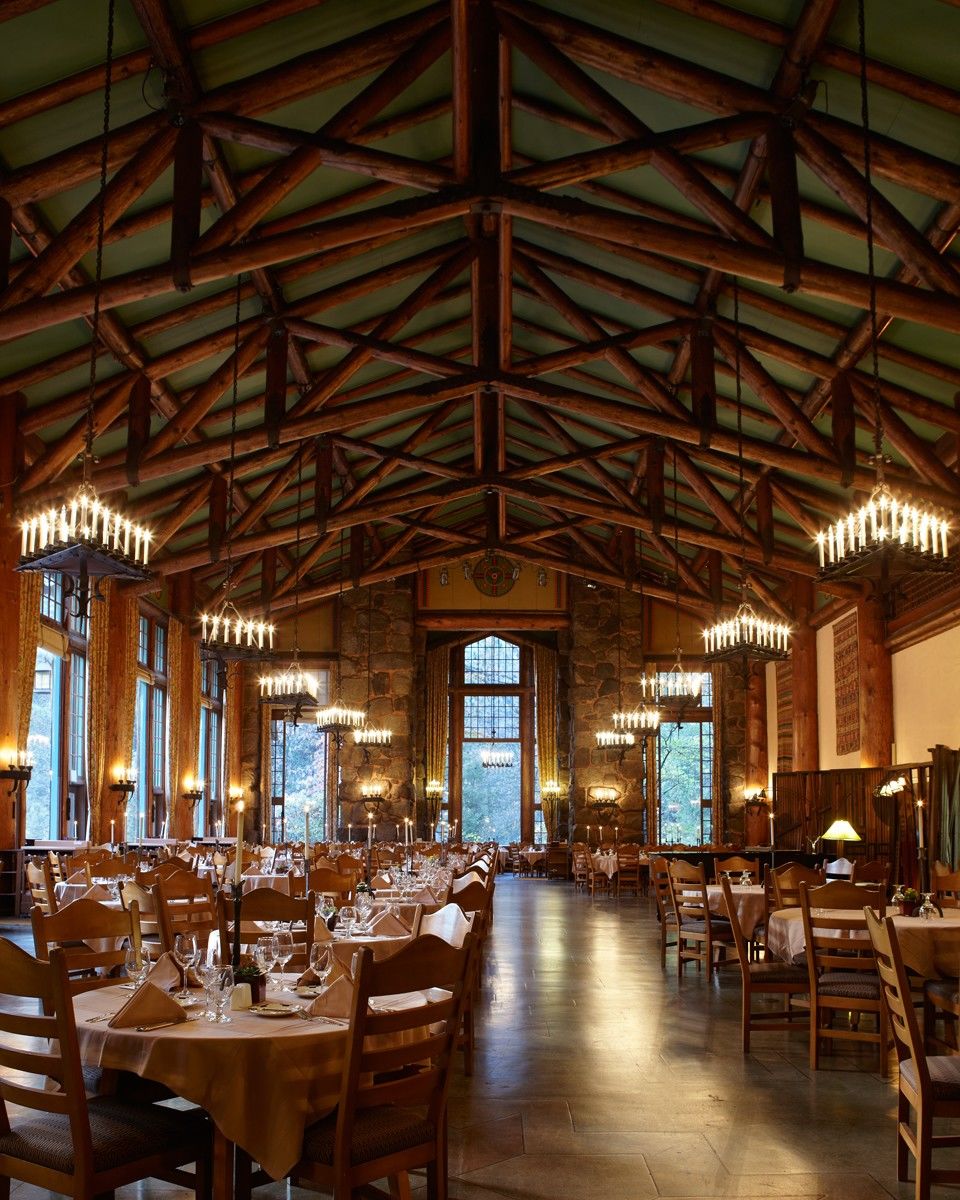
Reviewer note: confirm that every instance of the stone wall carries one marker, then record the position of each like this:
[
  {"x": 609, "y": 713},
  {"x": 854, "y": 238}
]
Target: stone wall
[
  {"x": 597, "y": 684},
  {"x": 729, "y": 748}
]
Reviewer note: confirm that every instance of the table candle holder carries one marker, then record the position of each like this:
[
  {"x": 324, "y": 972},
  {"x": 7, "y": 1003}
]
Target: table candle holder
[{"x": 237, "y": 906}]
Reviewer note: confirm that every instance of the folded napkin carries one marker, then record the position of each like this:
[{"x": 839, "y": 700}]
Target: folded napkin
[
  {"x": 426, "y": 896},
  {"x": 253, "y": 869},
  {"x": 97, "y": 892},
  {"x": 334, "y": 1001},
  {"x": 77, "y": 877},
  {"x": 149, "y": 1005},
  {"x": 381, "y": 881},
  {"x": 321, "y": 933},
  {"x": 387, "y": 925},
  {"x": 164, "y": 973},
  {"x": 339, "y": 971}
]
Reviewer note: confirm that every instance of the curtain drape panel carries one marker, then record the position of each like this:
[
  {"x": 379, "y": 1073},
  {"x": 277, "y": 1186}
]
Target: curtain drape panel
[
  {"x": 438, "y": 721},
  {"x": 174, "y": 740},
  {"x": 98, "y": 674},
  {"x": 945, "y": 797},
  {"x": 31, "y": 584},
  {"x": 545, "y": 663}
]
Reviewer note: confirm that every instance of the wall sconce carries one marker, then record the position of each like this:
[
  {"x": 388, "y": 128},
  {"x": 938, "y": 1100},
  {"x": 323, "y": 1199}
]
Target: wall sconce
[
  {"x": 371, "y": 792},
  {"x": 604, "y": 801},
  {"x": 192, "y": 790},
  {"x": 434, "y": 789},
  {"x": 754, "y": 794},
  {"x": 124, "y": 781},
  {"x": 444, "y": 577},
  {"x": 234, "y": 794},
  {"x": 17, "y": 767},
  {"x": 551, "y": 790}
]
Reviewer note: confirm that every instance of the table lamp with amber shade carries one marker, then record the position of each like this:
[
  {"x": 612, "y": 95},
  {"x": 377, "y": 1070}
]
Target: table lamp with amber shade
[{"x": 840, "y": 832}]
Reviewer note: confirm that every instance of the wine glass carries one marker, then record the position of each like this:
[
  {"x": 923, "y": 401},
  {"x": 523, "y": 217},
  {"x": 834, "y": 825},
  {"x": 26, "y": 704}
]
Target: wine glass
[
  {"x": 928, "y": 909},
  {"x": 186, "y": 954},
  {"x": 137, "y": 965},
  {"x": 897, "y": 897},
  {"x": 364, "y": 911},
  {"x": 348, "y": 919},
  {"x": 321, "y": 962},
  {"x": 266, "y": 954},
  {"x": 326, "y": 908},
  {"x": 285, "y": 949},
  {"x": 220, "y": 992}
]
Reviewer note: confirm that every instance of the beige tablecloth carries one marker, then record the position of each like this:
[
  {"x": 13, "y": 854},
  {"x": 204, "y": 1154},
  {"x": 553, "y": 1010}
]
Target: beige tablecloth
[
  {"x": 607, "y": 863},
  {"x": 748, "y": 899},
  {"x": 287, "y": 1069},
  {"x": 930, "y": 948}
]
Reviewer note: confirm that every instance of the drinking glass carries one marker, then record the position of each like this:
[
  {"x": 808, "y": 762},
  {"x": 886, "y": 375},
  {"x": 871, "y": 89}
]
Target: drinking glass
[
  {"x": 348, "y": 919},
  {"x": 266, "y": 954},
  {"x": 897, "y": 897},
  {"x": 220, "y": 992},
  {"x": 325, "y": 908},
  {"x": 186, "y": 953},
  {"x": 207, "y": 971},
  {"x": 137, "y": 965},
  {"x": 321, "y": 962},
  {"x": 364, "y": 911},
  {"x": 928, "y": 910},
  {"x": 285, "y": 949}
]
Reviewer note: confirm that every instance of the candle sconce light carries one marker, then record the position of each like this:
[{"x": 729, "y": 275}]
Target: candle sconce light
[
  {"x": 17, "y": 768},
  {"x": 605, "y": 801},
  {"x": 124, "y": 782}
]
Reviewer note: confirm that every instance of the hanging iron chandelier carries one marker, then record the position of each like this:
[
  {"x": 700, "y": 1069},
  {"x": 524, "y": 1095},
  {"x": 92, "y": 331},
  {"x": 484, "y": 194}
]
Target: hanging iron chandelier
[
  {"x": 492, "y": 757},
  {"x": 80, "y": 538},
  {"x": 746, "y": 634},
  {"x": 678, "y": 685},
  {"x": 226, "y": 634},
  {"x": 336, "y": 718},
  {"x": 889, "y": 536}
]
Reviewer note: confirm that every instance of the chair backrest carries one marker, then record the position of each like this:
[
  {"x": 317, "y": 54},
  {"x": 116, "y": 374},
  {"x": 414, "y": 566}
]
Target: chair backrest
[
  {"x": 896, "y": 993},
  {"x": 735, "y": 863},
  {"x": 743, "y": 951},
  {"x": 688, "y": 884},
  {"x": 56, "y": 866},
  {"x": 324, "y": 882},
  {"x": 787, "y": 880},
  {"x": 268, "y": 904},
  {"x": 464, "y": 881},
  {"x": 450, "y": 923},
  {"x": 947, "y": 887},
  {"x": 108, "y": 868},
  {"x": 163, "y": 871},
  {"x": 51, "y": 1052},
  {"x": 660, "y": 878},
  {"x": 842, "y": 894},
  {"x": 93, "y": 937},
  {"x": 409, "y": 1068},
  {"x": 835, "y": 941},
  {"x": 872, "y": 872},
  {"x": 474, "y": 898},
  {"x": 349, "y": 863},
  {"x": 41, "y": 884},
  {"x": 185, "y": 904}
]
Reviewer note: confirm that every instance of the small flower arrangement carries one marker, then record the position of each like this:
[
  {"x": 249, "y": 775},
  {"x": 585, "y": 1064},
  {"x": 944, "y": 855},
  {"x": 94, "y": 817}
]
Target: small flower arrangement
[
  {"x": 365, "y": 888},
  {"x": 911, "y": 895}
]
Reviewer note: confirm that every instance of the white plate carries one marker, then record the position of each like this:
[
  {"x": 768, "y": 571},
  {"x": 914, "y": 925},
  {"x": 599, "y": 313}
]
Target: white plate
[{"x": 274, "y": 1008}]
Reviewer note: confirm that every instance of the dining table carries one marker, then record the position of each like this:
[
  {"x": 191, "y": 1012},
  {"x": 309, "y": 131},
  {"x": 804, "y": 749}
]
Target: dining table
[
  {"x": 606, "y": 862},
  {"x": 262, "y": 1079},
  {"x": 931, "y": 948},
  {"x": 748, "y": 899}
]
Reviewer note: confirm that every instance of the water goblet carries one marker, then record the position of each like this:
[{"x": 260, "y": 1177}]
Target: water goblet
[
  {"x": 364, "y": 912},
  {"x": 266, "y": 954},
  {"x": 223, "y": 984},
  {"x": 285, "y": 949},
  {"x": 928, "y": 909},
  {"x": 321, "y": 962},
  {"x": 186, "y": 954},
  {"x": 137, "y": 965},
  {"x": 348, "y": 919}
]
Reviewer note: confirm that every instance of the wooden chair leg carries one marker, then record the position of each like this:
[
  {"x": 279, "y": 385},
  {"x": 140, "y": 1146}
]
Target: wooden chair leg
[
  {"x": 903, "y": 1150},
  {"x": 399, "y": 1186},
  {"x": 924, "y": 1154}
]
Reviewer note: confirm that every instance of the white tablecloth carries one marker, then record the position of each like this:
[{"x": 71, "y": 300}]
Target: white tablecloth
[
  {"x": 607, "y": 863},
  {"x": 930, "y": 948},
  {"x": 748, "y": 899}
]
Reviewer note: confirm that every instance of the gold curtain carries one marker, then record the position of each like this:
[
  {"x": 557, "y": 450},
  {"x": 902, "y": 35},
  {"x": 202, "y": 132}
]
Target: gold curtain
[
  {"x": 174, "y": 743},
  {"x": 31, "y": 585},
  {"x": 266, "y": 785},
  {"x": 545, "y": 662},
  {"x": 128, "y": 632},
  {"x": 232, "y": 737},
  {"x": 438, "y": 720},
  {"x": 721, "y": 783},
  {"x": 100, "y": 700}
]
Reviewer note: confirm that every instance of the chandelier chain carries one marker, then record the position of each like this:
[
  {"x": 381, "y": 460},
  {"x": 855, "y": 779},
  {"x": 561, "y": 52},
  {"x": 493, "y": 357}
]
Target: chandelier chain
[
  {"x": 101, "y": 227},
  {"x": 227, "y": 583},
  {"x": 871, "y": 259},
  {"x": 739, "y": 394}
]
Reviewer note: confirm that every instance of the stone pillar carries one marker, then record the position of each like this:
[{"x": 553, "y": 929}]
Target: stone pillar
[{"x": 730, "y": 749}]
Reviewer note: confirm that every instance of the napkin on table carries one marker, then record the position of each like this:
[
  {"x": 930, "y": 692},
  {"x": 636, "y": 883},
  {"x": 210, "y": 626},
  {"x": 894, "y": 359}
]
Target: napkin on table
[
  {"x": 98, "y": 892},
  {"x": 308, "y": 979},
  {"x": 334, "y": 1001},
  {"x": 164, "y": 973},
  {"x": 77, "y": 877},
  {"x": 381, "y": 881},
  {"x": 149, "y": 1005},
  {"x": 387, "y": 925}
]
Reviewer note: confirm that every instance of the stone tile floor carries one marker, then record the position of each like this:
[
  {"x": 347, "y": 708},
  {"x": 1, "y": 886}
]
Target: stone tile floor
[{"x": 599, "y": 1075}]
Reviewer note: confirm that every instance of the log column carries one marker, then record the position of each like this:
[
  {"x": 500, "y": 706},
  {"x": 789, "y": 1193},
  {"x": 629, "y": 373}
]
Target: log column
[
  {"x": 876, "y": 685},
  {"x": 9, "y": 653},
  {"x": 756, "y": 727},
  {"x": 803, "y": 655}
]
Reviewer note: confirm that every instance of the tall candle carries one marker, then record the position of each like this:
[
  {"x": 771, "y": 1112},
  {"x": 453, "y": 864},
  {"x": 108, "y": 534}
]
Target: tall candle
[
  {"x": 306, "y": 829},
  {"x": 74, "y": 824},
  {"x": 771, "y": 829},
  {"x": 588, "y": 835},
  {"x": 920, "y": 821},
  {"x": 349, "y": 831},
  {"x": 141, "y": 823},
  {"x": 238, "y": 861},
  {"x": 370, "y": 832},
  {"x": 113, "y": 837}
]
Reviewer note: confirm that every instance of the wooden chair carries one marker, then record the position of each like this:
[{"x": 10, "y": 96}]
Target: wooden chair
[
  {"x": 702, "y": 937},
  {"x": 947, "y": 889},
  {"x": 450, "y": 923},
  {"x": 666, "y": 913},
  {"x": 267, "y": 904},
  {"x": 56, "y": 866},
  {"x": 737, "y": 864},
  {"x": 764, "y": 978},
  {"x": 66, "y": 1143},
  {"x": 787, "y": 880},
  {"x": 558, "y": 862},
  {"x": 324, "y": 882},
  {"x": 145, "y": 899},
  {"x": 93, "y": 938},
  {"x": 929, "y": 1085},
  {"x": 43, "y": 891},
  {"x": 628, "y": 869},
  {"x": 185, "y": 904},
  {"x": 872, "y": 872},
  {"x": 598, "y": 881},
  {"x": 109, "y": 868},
  {"x": 391, "y": 1117},
  {"x": 163, "y": 871},
  {"x": 841, "y": 967}
]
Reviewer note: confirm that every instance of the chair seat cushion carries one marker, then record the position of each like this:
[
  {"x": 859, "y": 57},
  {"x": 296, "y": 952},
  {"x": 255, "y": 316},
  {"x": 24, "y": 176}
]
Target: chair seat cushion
[
  {"x": 944, "y": 1075},
  {"x": 777, "y": 972},
  {"x": 717, "y": 928},
  {"x": 377, "y": 1132},
  {"x": 121, "y": 1133},
  {"x": 853, "y": 985}
]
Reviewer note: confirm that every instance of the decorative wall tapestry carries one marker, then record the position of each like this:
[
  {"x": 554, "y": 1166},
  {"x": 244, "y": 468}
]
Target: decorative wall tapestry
[
  {"x": 846, "y": 682},
  {"x": 784, "y": 716}
]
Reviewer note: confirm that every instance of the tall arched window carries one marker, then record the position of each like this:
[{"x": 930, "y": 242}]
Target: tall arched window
[{"x": 492, "y": 705}]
